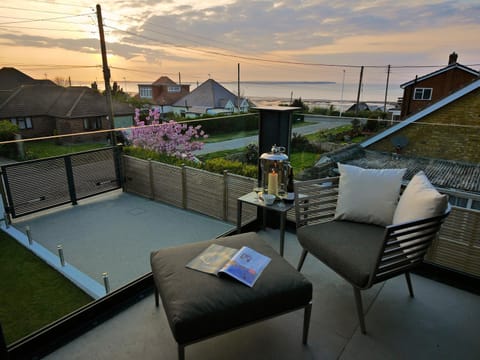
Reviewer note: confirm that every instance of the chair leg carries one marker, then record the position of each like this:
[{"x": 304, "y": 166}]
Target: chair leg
[
  {"x": 306, "y": 322},
  {"x": 409, "y": 283},
  {"x": 302, "y": 259},
  {"x": 156, "y": 295},
  {"x": 358, "y": 302}
]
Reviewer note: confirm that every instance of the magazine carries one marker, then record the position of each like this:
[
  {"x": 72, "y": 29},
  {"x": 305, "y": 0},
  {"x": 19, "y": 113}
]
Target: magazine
[{"x": 245, "y": 264}]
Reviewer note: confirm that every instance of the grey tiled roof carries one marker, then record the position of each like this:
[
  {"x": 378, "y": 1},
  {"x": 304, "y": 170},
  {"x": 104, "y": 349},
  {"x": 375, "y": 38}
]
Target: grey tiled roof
[
  {"x": 208, "y": 94},
  {"x": 57, "y": 101},
  {"x": 11, "y": 78},
  {"x": 444, "y": 174}
]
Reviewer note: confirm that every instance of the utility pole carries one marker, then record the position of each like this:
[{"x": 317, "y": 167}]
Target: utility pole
[
  {"x": 238, "y": 81},
  {"x": 341, "y": 96},
  {"x": 386, "y": 90},
  {"x": 359, "y": 90},
  {"x": 106, "y": 74}
]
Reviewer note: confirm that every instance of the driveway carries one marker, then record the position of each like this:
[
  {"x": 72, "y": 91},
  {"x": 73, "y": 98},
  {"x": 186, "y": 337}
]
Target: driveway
[{"x": 317, "y": 123}]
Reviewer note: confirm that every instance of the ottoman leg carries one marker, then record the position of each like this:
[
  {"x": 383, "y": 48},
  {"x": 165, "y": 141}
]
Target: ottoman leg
[
  {"x": 181, "y": 352},
  {"x": 306, "y": 322}
]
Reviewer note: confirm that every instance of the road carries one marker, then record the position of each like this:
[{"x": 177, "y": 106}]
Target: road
[{"x": 317, "y": 123}]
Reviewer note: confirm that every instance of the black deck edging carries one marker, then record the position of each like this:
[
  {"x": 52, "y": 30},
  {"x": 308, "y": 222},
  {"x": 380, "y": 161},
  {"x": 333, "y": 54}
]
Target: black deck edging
[{"x": 66, "y": 329}]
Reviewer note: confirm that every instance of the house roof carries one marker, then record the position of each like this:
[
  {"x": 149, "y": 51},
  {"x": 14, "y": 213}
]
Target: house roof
[
  {"x": 421, "y": 114},
  {"x": 209, "y": 94},
  {"x": 11, "y": 78},
  {"x": 445, "y": 69},
  {"x": 445, "y": 174},
  {"x": 164, "y": 80},
  {"x": 53, "y": 100}
]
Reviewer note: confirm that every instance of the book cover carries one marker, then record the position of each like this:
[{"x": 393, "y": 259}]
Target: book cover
[{"x": 245, "y": 265}]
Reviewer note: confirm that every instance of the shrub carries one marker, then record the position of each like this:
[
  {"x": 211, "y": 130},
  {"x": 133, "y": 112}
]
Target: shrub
[
  {"x": 300, "y": 142},
  {"x": 7, "y": 133},
  {"x": 219, "y": 165}
]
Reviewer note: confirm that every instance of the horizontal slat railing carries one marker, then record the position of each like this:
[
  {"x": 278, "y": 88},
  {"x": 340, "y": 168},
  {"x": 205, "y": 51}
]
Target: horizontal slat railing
[{"x": 458, "y": 244}]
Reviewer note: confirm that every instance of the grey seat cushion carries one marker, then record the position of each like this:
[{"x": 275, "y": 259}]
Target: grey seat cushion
[
  {"x": 349, "y": 248},
  {"x": 199, "y": 305}
]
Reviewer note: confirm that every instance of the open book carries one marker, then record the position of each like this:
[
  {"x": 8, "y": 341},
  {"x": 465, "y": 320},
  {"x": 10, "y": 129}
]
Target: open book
[{"x": 245, "y": 264}]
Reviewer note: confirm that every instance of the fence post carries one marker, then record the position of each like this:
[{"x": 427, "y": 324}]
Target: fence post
[
  {"x": 150, "y": 179},
  {"x": 225, "y": 195},
  {"x": 70, "y": 180},
  {"x": 184, "y": 186}
]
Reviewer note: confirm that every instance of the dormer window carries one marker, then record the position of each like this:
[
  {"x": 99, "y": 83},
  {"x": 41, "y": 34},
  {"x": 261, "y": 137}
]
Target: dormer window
[{"x": 422, "y": 94}]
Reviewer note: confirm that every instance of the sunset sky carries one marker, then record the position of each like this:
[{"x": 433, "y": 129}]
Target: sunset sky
[{"x": 311, "y": 40}]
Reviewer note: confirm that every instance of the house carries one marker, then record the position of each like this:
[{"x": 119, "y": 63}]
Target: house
[
  {"x": 210, "y": 98},
  {"x": 428, "y": 89},
  {"x": 44, "y": 109},
  {"x": 10, "y": 78},
  {"x": 443, "y": 140},
  {"x": 164, "y": 92}
]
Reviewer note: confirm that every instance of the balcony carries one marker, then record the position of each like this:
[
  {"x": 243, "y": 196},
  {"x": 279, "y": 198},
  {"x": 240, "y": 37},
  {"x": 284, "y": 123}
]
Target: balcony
[{"x": 440, "y": 322}]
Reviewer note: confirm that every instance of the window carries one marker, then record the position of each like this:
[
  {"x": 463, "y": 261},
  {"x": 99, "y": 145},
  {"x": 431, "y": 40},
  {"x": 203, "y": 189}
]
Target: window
[
  {"x": 422, "y": 94},
  {"x": 174, "y": 89},
  {"x": 92, "y": 123},
  {"x": 146, "y": 92},
  {"x": 22, "y": 122}
]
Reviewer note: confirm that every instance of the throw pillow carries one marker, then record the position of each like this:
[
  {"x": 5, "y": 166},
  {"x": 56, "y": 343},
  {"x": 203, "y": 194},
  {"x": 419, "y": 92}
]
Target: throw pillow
[
  {"x": 368, "y": 195},
  {"x": 419, "y": 200}
]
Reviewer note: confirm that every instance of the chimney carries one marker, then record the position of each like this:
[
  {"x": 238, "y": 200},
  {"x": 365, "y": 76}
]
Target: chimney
[{"x": 452, "y": 58}]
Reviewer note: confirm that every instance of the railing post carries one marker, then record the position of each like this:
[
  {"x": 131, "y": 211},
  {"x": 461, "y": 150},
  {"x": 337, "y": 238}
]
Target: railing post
[
  {"x": 60, "y": 255},
  {"x": 225, "y": 195},
  {"x": 184, "y": 186},
  {"x": 106, "y": 282},
  {"x": 70, "y": 180},
  {"x": 150, "y": 179},
  {"x": 29, "y": 235}
]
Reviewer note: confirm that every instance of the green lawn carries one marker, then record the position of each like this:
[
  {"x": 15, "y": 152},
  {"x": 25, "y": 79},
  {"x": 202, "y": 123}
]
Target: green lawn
[
  {"x": 43, "y": 149},
  {"x": 32, "y": 293}
]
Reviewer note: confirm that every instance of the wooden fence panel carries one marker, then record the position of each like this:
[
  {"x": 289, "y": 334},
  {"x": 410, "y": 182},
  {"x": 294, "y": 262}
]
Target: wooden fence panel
[
  {"x": 205, "y": 192},
  {"x": 137, "y": 176},
  {"x": 458, "y": 244},
  {"x": 237, "y": 186},
  {"x": 167, "y": 183}
]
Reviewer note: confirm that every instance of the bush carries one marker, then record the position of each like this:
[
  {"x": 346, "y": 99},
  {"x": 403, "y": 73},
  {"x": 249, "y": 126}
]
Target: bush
[
  {"x": 300, "y": 142},
  {"x": 7, "y": 133},
  {"x": 219, "y": 165}
]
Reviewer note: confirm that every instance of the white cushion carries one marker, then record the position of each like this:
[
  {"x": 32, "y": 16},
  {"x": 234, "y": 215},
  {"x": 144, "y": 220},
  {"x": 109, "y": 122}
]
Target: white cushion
[
  {"x": 420, "y": 200},
  {"x": 368, "y": 195}
]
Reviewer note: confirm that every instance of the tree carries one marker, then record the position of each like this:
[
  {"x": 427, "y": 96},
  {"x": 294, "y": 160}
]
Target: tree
[
  {"x": 170, "y": 138},
  {"x": 299, "y": 103}
]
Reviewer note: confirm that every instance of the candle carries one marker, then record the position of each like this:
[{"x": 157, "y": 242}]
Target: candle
[{"x": 273, "y": 183}]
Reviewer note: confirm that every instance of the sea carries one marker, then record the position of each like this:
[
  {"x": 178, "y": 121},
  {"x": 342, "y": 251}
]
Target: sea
[{"x": 313, "y": 93}]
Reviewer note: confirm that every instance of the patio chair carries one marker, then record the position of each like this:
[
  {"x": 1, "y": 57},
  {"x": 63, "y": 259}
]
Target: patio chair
[{"x": 358, "y": 247}]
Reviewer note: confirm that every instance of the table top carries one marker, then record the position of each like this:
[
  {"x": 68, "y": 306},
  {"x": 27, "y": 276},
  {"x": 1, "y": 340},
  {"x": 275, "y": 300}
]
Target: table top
[{"x": 278, "y": 205}]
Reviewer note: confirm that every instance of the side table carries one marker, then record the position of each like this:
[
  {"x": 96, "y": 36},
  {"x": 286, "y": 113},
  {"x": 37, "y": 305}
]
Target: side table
[{"x": 280, "y": 207}]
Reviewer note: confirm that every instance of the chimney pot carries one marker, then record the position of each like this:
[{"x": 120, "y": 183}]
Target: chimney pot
[{"x": 452, "y": 59}]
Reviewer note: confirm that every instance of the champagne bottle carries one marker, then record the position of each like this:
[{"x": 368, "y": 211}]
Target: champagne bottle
[{"x": 290, "y": 190}]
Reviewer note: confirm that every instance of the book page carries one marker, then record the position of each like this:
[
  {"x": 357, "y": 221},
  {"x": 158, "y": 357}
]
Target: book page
[
  {"x": 246, "y": 265},
  {"x": 212, "y": 259}
]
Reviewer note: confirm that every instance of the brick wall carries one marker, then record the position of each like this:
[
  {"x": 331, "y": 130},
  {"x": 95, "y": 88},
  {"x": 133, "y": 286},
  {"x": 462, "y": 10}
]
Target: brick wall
[
  {"x": 442, "y": 85},
  {"x": 41, "y": 126},
  {"x": 451, "y": 133}
]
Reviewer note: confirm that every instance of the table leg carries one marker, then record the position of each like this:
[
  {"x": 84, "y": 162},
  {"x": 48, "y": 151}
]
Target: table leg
[
  {"x": 283, "y": 220},
  {"x": 239, "y": 216}
]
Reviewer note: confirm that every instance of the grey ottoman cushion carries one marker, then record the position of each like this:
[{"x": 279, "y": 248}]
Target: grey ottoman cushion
[{"x": 199, "y": 305}]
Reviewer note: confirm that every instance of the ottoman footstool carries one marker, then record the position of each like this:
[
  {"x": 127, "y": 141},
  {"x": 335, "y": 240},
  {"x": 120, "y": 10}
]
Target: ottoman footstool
[{"x": 199, "y": 305}]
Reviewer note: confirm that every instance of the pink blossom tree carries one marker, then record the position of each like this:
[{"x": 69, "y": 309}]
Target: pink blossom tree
[{"x": 171, "y": 138}]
